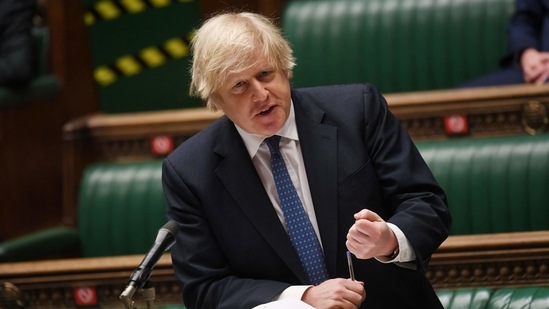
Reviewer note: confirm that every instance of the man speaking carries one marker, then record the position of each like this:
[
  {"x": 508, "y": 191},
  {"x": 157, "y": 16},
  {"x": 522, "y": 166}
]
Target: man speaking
[{"x": 270, "y": 197}]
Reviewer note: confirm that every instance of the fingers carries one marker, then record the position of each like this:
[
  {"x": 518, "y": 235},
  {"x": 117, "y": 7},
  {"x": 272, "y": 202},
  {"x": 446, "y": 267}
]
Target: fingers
[
  {"x": 535, "y": 66},
  {"x": 336, "y": 293},
  {"x": 542, "y": 77},
  {"x": 545, "y": 72},
  {"x": 544, "y": 56},
  {"x": 370, "y": 236},
  {"x": 368, "y": 215}
]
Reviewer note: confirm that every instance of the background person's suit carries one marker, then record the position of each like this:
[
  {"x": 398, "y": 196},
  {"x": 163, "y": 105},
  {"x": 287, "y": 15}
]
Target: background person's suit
[{"x": 528, "y": 28}]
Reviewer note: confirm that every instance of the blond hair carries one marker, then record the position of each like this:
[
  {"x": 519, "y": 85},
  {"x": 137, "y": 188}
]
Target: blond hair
[{"x": 226, "y": 43}]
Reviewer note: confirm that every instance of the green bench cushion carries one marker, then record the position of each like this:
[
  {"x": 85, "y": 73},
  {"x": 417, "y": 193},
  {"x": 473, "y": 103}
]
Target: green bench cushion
[
  {"x": 47, "y": 243},
  {"x": 41, "y": 87},
  {"x": 121, "y": 208},
  {"x": 398, "y": 45},
  {"x": 503, "y": 298},
  {"x": 498, "y": 184}
]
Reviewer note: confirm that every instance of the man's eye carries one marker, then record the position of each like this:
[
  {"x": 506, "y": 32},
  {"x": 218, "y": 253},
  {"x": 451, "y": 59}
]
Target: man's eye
[
  {"x": 239, "y": 87},
  {"x": 266, "y": 76}
]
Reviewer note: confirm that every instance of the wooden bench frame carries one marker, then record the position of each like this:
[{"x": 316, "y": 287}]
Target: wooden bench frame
[{"x": 489, "y": 260}]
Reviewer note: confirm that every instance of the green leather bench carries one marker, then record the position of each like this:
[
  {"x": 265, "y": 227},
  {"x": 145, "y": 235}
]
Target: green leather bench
[
  {"x": 503, "y": 298},
  {"x": 120, "y": 209},
  {"x": 398, "y": 45},
  {"x": 498, "y": 184},
  {"x": 494, "y": 185}
]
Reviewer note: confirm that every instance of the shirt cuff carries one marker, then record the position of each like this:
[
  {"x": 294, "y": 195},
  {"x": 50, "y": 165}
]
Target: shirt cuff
[
  {"x": 406, "y": 252},
  {"x": 294, "y": 291}
]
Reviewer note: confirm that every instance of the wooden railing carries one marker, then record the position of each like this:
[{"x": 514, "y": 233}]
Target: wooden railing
[{"x": 489, "y": 260}]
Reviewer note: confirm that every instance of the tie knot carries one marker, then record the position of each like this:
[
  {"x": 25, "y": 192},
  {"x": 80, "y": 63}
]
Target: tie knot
[{"x": 273, "y": 143}]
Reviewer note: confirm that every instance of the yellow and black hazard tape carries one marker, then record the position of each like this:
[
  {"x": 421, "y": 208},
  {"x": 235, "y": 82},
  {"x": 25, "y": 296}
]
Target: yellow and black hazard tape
[
  {"x": 149, "y": 57},
  {"x": 113, "y": 9}
]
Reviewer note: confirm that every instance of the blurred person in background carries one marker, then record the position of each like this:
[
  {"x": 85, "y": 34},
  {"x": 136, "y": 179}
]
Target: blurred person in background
[
  {"x": 527, "y": 60},
  {"x": 16, "y": 43}
]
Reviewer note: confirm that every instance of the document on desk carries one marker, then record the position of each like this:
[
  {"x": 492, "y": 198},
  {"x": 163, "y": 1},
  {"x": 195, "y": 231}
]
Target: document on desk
[{"x": 285, "y": 304}]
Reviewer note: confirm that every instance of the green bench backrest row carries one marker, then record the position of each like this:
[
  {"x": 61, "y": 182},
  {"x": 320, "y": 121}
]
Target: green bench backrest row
[
  {"x": 121, "y": 208},
  {"x": 503, "y": 298},
  {"x": 493, "y": 185},
  {"x": 398, "y": 45}
]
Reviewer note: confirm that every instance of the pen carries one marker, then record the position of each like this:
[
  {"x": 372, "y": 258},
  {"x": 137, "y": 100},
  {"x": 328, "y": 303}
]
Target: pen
[{"x": 350, "y": 263}]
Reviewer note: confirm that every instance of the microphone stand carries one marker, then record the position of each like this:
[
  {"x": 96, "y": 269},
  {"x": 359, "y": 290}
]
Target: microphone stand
[
  {"x": 148, "y": 291},
  {"x": 149, "y": 294},
  {"x": 139, "y": 279}
]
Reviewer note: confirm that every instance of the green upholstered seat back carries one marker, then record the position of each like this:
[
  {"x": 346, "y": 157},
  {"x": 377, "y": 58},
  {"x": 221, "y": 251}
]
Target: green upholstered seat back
[
  {"x": 503, "y": 298},
  {"x": 498, "y": 184},
  {"x": 398, "y": 45},
  {"x": 518, "y": 298},
  {"x": 465, "y": 298},
  {"x": 121, "y": 206},
  {"x": 140, "y": 52}
]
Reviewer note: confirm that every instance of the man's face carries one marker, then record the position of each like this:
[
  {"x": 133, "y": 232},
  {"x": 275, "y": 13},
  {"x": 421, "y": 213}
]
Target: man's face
[{"x": 257, "y": 99}]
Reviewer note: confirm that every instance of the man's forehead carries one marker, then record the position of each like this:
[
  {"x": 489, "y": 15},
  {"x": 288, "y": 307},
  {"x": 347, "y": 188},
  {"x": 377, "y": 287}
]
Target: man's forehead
[{"x": 258, "y": 66}]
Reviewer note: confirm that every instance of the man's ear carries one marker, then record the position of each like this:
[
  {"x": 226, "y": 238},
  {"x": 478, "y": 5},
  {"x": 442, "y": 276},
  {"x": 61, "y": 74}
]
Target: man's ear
[
  {"x": 214, "y": 103},
  {"x": 289, "y": 74}
]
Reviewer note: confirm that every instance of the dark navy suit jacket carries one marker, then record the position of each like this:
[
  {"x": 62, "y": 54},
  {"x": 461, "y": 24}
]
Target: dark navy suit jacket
[{"x": 233, "y": 252}]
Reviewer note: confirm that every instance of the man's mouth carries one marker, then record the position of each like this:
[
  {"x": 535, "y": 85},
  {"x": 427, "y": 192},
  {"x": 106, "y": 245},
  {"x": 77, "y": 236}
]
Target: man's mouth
[{"x": 266, "y": 111}]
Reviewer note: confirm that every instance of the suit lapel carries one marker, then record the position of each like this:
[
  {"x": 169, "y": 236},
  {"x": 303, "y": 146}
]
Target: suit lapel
[
  {"x": 237, "y": 172},
  {"x": 319, "y": 147}
]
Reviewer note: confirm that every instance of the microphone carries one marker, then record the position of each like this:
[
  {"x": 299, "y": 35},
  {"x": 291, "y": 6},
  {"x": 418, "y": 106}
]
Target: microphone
[{"x": 165, "y": 239}]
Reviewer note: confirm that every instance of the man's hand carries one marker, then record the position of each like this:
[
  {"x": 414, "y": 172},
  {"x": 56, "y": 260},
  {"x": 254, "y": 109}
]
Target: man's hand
[
  {"x": 370, "y": 236},
  {"x": 535, "y": 66},
  {"x": 336, "y": 293}
]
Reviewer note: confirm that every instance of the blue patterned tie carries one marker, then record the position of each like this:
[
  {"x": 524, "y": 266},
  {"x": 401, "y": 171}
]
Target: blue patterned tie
[{"x": 299, "y": 226}]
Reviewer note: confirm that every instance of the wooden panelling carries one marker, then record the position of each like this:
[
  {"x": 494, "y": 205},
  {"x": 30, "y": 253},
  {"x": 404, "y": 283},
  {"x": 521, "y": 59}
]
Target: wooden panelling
[
  {"x": 490, "y": 111},
  {"x": 55, "y": 284},
  {"x": 490, "y": 260}
]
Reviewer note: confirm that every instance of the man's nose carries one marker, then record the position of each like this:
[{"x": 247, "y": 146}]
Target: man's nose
[{"x": 259, "y": 93}]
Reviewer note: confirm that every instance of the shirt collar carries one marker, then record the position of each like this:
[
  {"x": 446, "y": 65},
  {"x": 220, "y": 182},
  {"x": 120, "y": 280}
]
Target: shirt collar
[{"x": 253, "y": 141}]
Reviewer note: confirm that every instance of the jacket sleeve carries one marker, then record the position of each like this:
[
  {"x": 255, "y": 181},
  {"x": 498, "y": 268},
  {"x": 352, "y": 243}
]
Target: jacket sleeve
[{"x": 413, "y": 199}]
